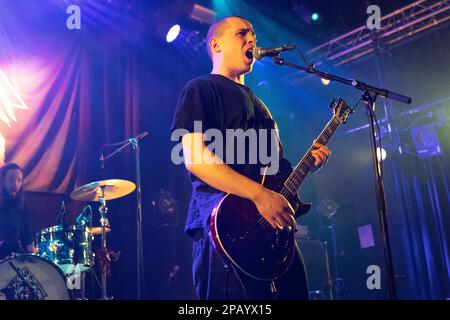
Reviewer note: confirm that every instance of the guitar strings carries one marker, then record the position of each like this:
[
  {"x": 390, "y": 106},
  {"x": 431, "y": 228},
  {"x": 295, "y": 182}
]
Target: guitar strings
[{"x": 298, "y": 174}]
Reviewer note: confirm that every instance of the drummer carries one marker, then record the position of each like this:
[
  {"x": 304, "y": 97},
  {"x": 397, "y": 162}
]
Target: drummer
[{"x": 16, "y": 235}]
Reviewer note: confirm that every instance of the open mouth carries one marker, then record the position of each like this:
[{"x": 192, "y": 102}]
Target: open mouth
[{"x": 249, "y": 53}]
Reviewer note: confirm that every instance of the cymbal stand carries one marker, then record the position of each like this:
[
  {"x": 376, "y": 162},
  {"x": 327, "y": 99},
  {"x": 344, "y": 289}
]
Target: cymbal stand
[
  {"x": 104, "y": 259},
  {"x": 134, "y": 142}
]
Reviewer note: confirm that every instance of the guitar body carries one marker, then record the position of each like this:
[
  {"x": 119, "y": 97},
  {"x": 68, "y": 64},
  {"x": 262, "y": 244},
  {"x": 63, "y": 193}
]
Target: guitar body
[{"x": 246, "y": 240}]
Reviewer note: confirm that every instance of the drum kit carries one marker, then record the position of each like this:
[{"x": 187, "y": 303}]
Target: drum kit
[{"x": 64, "y": 252}]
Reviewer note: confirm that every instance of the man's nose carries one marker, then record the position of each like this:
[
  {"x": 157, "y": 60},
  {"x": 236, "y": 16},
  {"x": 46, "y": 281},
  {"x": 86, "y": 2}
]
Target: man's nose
[{"x": 250, "y": 38}]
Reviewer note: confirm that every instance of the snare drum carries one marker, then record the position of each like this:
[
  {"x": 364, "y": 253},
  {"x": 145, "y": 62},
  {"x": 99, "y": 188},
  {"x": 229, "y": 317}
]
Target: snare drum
[
  {"x": 30, "y": 277},
  {"x": 69, "y": 248}
]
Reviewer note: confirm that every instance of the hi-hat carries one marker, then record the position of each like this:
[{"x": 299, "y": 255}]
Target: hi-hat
[
  {"x": 112, "y": 189},
  {"x": 95, "y": 231}
]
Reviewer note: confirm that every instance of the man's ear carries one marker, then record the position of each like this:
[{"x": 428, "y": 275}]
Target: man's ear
[{"x": 214, "y": 45}]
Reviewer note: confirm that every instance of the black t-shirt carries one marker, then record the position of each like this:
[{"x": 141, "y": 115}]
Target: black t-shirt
[
  {"x": 15, "y": 225},
  {"x": 222, "y": 104}
]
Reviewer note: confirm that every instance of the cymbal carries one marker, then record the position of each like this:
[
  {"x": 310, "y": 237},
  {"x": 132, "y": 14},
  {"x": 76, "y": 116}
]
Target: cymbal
[
  {"x": 112, "y": 189},
  {"x": 95, "y": 231}
]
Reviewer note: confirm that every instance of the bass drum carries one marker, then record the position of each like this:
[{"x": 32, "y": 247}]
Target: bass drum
[{"x": 30, "y": 277}]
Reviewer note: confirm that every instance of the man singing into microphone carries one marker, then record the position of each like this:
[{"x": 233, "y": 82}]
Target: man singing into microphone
[
  {"x": 15, "y": 217},
  {"x": 221, "y": 101}
]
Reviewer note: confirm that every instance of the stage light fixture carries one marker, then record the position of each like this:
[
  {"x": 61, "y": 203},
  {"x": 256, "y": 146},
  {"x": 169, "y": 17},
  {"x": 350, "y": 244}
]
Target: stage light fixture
[
  {"x": 426, "y": 141},
  {"x": 173, "y": 33},
  {"x": 315, "y": 17},
  {"x": 203, "y": 14},
  {"x": 381, "y": 153},
  {"x": 325, "y": 82},
  {"x": 328, "y": 207}
]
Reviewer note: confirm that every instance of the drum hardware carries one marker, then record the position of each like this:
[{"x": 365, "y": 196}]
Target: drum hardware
[
  {"x": 100, "y": 191},
  {"x": 105, "y": 258},
  {"x": 83, "y": 218},
  {"x": 68, "y": 248},
  {"x": 62, "y": 217},
  {"x": 96, "y": 231},
  {"x": 134, "y": 142},
  {"x": 104, "y": 222},
  {"x": 83, "y": 286}
]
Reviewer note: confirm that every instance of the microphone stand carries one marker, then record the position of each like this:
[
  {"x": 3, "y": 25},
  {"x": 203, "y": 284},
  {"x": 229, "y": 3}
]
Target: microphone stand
[
  {"x": 140, "y": 252},
  {"x": 370, "y": 93}
]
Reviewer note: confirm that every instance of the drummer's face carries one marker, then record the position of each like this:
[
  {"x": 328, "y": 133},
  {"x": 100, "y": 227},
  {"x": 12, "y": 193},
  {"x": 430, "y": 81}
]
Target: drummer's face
[{"x": 13, "y": 182}]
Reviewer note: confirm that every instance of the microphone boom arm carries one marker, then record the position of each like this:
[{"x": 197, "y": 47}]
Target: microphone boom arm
[{"x": 375, "y": 91}]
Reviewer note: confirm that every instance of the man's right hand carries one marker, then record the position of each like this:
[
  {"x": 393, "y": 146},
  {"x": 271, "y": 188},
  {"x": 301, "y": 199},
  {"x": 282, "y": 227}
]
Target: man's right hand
[
  {"x": 209, "y": 168},
  {"x": 275, "y": 209}
]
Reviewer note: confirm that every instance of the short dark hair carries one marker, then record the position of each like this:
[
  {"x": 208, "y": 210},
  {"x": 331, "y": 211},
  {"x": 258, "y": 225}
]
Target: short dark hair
[
  {"x": 217, "y": 29},
  {"x": 10, "y": 166}
]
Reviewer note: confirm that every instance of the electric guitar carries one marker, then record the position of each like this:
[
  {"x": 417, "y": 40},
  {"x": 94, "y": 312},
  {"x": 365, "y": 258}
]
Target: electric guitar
[{"x": 244, "y": 238}]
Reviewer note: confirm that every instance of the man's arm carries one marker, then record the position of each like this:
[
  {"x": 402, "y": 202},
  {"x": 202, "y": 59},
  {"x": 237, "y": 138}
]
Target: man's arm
[
  {"x": 204, "y": 164},
  {"x": 26, "y": 235}
]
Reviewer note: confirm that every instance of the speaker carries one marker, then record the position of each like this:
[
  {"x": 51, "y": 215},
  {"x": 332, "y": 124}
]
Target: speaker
[{"x": 315, "y": 257}]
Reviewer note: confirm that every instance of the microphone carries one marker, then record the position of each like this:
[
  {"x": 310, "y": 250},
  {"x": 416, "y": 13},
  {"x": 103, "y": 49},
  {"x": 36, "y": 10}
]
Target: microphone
[
  {"x": 259, "y": 53},
  {"x": 62, "y": 217}
]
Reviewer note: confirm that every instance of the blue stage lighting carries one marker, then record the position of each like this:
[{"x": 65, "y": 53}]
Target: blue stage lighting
[{"x": 315, "y": 17}]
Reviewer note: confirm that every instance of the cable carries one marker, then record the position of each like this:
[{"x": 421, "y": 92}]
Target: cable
[
  {"x": 356, "y": 105},
  {"x": 83, "y": 219},
  {"x": 108, "y": 145},
  {"x": 309, "y": 64}
]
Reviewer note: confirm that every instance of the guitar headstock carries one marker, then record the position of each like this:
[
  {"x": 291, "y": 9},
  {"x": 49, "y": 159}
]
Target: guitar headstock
[{"x": 340, "y": 110}]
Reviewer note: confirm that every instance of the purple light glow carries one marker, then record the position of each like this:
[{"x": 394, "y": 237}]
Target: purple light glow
[{"x": 366, "y": 239}]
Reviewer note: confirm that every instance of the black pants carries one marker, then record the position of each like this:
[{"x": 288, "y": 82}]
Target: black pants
[{"x": 214, "y": 280}]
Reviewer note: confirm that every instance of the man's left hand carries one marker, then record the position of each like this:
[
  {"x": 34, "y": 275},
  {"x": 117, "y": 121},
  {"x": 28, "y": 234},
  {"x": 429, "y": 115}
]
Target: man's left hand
[{"x": 320, "y": 154}]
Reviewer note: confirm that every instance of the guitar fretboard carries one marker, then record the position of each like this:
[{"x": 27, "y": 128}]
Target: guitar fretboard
[{"x": 304, "y": 167}]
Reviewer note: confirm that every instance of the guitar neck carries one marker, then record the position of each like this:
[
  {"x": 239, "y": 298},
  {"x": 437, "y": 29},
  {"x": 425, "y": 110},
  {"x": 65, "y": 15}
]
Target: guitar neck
[{"x": 306, "y": 165}]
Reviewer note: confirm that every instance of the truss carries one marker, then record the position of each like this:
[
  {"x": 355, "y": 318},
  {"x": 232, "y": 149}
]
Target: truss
[{"x": 397, "y": 28}]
